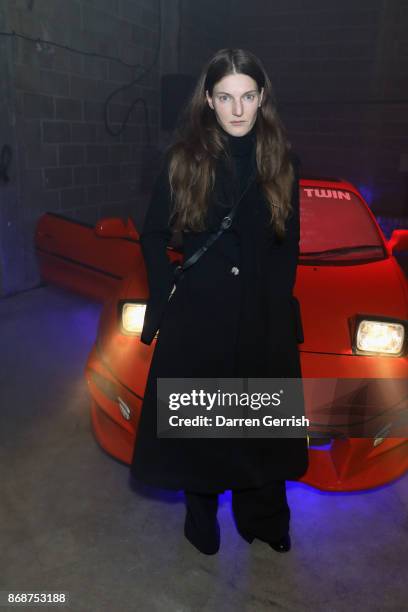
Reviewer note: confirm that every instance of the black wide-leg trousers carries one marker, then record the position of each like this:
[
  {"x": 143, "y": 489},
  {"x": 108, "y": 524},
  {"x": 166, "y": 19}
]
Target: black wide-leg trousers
[{"x": 261, "y": 513}]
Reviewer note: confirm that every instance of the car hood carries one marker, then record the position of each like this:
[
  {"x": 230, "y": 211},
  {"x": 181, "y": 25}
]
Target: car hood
[{"x": 331, "y": 296}]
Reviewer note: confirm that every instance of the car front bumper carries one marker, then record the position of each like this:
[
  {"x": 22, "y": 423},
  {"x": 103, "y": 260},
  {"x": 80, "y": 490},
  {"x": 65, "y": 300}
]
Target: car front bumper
[{"x": 335, "y": 463}]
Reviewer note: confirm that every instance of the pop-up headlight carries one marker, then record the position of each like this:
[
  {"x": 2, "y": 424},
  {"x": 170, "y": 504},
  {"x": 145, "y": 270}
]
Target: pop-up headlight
[
  {"x": 133, "y": 317},
  {"x": 380, "y": 337}
]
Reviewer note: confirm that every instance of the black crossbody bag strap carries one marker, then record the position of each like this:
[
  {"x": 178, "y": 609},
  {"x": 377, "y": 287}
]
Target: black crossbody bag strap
[{"x": 225, "y": 224}]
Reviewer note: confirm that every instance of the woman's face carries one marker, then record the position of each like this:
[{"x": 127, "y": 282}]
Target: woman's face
[{"x": 235, "y": 101}]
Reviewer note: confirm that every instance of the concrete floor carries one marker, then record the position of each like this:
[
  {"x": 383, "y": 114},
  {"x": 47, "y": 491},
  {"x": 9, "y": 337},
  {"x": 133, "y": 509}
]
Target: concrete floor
[{"x": 70, "y": 519}]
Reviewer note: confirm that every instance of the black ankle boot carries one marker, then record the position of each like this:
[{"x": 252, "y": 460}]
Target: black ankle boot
[
  {"x": 282, "y": 545},
  {"x": 206, "y": 542}
]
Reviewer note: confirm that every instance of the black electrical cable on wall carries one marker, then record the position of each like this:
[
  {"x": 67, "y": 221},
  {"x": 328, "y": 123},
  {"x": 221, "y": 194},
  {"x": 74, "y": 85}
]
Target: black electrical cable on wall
[
  {"x": 143, "y": 73},
  {"x": 128, "y": 86}
]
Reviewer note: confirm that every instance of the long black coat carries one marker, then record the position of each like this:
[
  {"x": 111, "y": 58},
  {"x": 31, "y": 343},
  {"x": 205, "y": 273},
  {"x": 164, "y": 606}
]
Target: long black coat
[{"x": 218, "y": 324}]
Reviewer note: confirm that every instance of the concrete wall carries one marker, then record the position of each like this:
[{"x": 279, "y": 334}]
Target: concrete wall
[
  {"x": 337, "y": 68},
  {"x": 53, "y": 101}
]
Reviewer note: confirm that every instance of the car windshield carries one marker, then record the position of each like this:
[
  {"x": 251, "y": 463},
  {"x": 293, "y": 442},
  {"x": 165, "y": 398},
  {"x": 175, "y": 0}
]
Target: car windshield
[{"x": 336, "y": 227}]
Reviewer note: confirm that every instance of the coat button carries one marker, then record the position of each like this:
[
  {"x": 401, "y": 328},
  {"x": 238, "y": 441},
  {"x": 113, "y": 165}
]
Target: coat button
[{"x": 235, "y": 270}]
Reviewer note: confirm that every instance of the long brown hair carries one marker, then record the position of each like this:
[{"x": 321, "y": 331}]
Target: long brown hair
[{"x": 200, "y": 142}]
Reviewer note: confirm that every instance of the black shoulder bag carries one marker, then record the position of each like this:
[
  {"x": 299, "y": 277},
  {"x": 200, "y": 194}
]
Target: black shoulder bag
[{"x": 225, "y": 224}]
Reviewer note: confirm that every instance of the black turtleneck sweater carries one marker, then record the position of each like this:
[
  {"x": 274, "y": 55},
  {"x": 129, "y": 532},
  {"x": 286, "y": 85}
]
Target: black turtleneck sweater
[
  {"x": 240, "y": 149},
  {"x": 234, "y": 169},
  {"x": 239, "y": 153},
  {"x": 233, "y": 174}
]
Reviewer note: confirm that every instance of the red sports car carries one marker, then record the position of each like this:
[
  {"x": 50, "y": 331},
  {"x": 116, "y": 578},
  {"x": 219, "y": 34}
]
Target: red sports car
[{"x": 354, "y": 309}]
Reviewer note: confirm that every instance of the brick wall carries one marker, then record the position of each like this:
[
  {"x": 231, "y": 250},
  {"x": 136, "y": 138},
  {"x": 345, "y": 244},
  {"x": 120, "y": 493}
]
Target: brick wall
[
  {"x": 329, "y": 61},
  {"x": 11, "y": 222},
  {"x": 204, "y": 28},
  {"x": 65, "y": 160}
]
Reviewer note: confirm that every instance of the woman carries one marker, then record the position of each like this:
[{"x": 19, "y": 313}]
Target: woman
[{"x": 232, "y": 313}]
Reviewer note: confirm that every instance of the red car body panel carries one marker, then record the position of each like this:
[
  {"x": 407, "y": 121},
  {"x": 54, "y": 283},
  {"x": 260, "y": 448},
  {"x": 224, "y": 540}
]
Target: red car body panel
[
  {"x": 330, "y": 296},
  {"x": 76, "y": 256},
  {"x": 72, "y": 255}
]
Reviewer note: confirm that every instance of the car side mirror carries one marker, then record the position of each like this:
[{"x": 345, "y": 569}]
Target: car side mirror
[
  {"x": 115, "y": 227},
  {"x": 398, "y": 241}
]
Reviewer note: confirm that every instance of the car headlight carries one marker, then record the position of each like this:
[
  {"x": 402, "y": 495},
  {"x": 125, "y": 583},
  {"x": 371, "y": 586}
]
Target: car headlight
[
  {"x": 132, "y": 317},
  {"x": 380, "y": 337}
]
